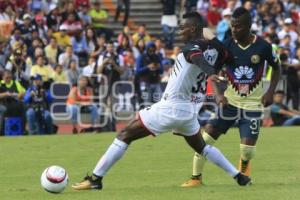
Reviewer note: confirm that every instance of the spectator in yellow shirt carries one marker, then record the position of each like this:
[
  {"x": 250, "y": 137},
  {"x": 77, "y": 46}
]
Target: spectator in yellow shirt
[
  {"x": 99, "y": 20},
  {"x": 59, "y": 75},
  {"x": 43, "y": 70},
  {"x": 141, "y": 35},
  {"x": 52, "y": 52},
  {"x": 62, "y": 38}
]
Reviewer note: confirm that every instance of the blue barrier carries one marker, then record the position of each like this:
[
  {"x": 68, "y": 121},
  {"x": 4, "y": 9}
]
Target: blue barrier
[{"x": 13, "y": 126}]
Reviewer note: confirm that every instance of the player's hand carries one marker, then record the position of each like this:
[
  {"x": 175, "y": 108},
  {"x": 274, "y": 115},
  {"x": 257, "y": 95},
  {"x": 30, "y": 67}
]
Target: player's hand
[
  {"x": 267, "y": 99},
  {"x": 208, "y": 34},
  {"x": 221, "y": 100}
]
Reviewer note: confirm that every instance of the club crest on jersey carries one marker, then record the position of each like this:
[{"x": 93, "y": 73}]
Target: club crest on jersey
[
  {"x": 243, "y": 71},
  {"x": 255, "y": 59},
  {"x": 210, "y": 56}
]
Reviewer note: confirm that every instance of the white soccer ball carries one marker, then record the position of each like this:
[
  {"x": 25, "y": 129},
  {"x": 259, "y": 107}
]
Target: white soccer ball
[{"x": 54, "y": 179}]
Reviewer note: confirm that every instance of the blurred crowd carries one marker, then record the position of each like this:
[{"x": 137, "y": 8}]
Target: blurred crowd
[{"x": 69, "y": 42}]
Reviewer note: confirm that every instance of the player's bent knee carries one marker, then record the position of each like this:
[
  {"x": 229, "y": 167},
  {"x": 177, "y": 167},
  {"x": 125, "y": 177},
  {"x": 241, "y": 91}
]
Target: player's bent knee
[
  {"x": 208, "y": 139},
  {"x": 124, "y": 136},
  {"x": 247, "y": 151},
  {"x": 212, "y": 131},
  {"x": 128, "y": 134},
  {"x": 196, "y": 142}
]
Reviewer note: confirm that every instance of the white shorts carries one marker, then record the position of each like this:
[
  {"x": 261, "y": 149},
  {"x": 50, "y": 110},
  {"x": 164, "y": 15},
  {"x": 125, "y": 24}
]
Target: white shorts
[{"x": 161, "y": 118}]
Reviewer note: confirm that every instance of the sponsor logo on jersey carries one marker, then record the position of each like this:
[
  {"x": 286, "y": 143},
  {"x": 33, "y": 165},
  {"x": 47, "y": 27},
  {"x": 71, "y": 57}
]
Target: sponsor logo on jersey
[
  {"x": 255, "y": 59},
  {"x": 244, "y": 79},
  {"x": 243, "y": 71},
  {"x": 210, "y": 56}
]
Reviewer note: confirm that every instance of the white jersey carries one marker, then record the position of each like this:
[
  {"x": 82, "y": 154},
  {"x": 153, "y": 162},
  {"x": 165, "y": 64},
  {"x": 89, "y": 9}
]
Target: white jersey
[
  {"x": 186, "y": 87},
  {"x": 185, "y": 92}
]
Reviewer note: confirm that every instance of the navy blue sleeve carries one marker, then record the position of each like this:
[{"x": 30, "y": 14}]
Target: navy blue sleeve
[
  {"x": 228, "y": 59},
  {"x": 223, "y": 54},
  {"x": 194, "y": 54},
  {"x": 190, "y": 51}
]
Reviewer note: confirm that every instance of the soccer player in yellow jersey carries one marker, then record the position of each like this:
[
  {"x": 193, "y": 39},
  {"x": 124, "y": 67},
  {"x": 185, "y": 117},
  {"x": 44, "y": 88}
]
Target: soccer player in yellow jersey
[{"x": 243, "y": 100}]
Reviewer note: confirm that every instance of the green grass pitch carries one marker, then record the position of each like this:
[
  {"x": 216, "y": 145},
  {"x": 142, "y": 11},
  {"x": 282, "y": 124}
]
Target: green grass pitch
[{"x": 153, "y": 168}]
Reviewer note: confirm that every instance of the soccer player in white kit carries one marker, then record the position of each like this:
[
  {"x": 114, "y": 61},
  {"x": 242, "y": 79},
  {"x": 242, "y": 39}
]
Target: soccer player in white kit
[{"x": 177, "y": 111}]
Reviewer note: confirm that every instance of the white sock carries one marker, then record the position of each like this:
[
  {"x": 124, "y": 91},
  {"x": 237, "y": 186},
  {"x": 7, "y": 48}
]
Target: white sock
[
  {"x": 215, "y": 156},
  {"x": 111, "y": 156}
]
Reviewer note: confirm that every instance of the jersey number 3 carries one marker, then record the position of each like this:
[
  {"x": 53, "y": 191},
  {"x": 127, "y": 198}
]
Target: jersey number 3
[{"x": 201, "y": 83}]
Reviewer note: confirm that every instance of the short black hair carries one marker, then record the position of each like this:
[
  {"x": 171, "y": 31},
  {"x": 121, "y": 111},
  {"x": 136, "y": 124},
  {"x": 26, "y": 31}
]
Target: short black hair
[
  {"x": 241, "y": 11},
  {"x": 196, "y": 19},
  {"x": 279, "y": 92}
]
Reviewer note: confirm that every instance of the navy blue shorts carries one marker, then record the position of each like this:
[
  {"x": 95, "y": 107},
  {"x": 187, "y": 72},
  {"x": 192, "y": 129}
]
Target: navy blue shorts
[{"x": 248, "y": 121}]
